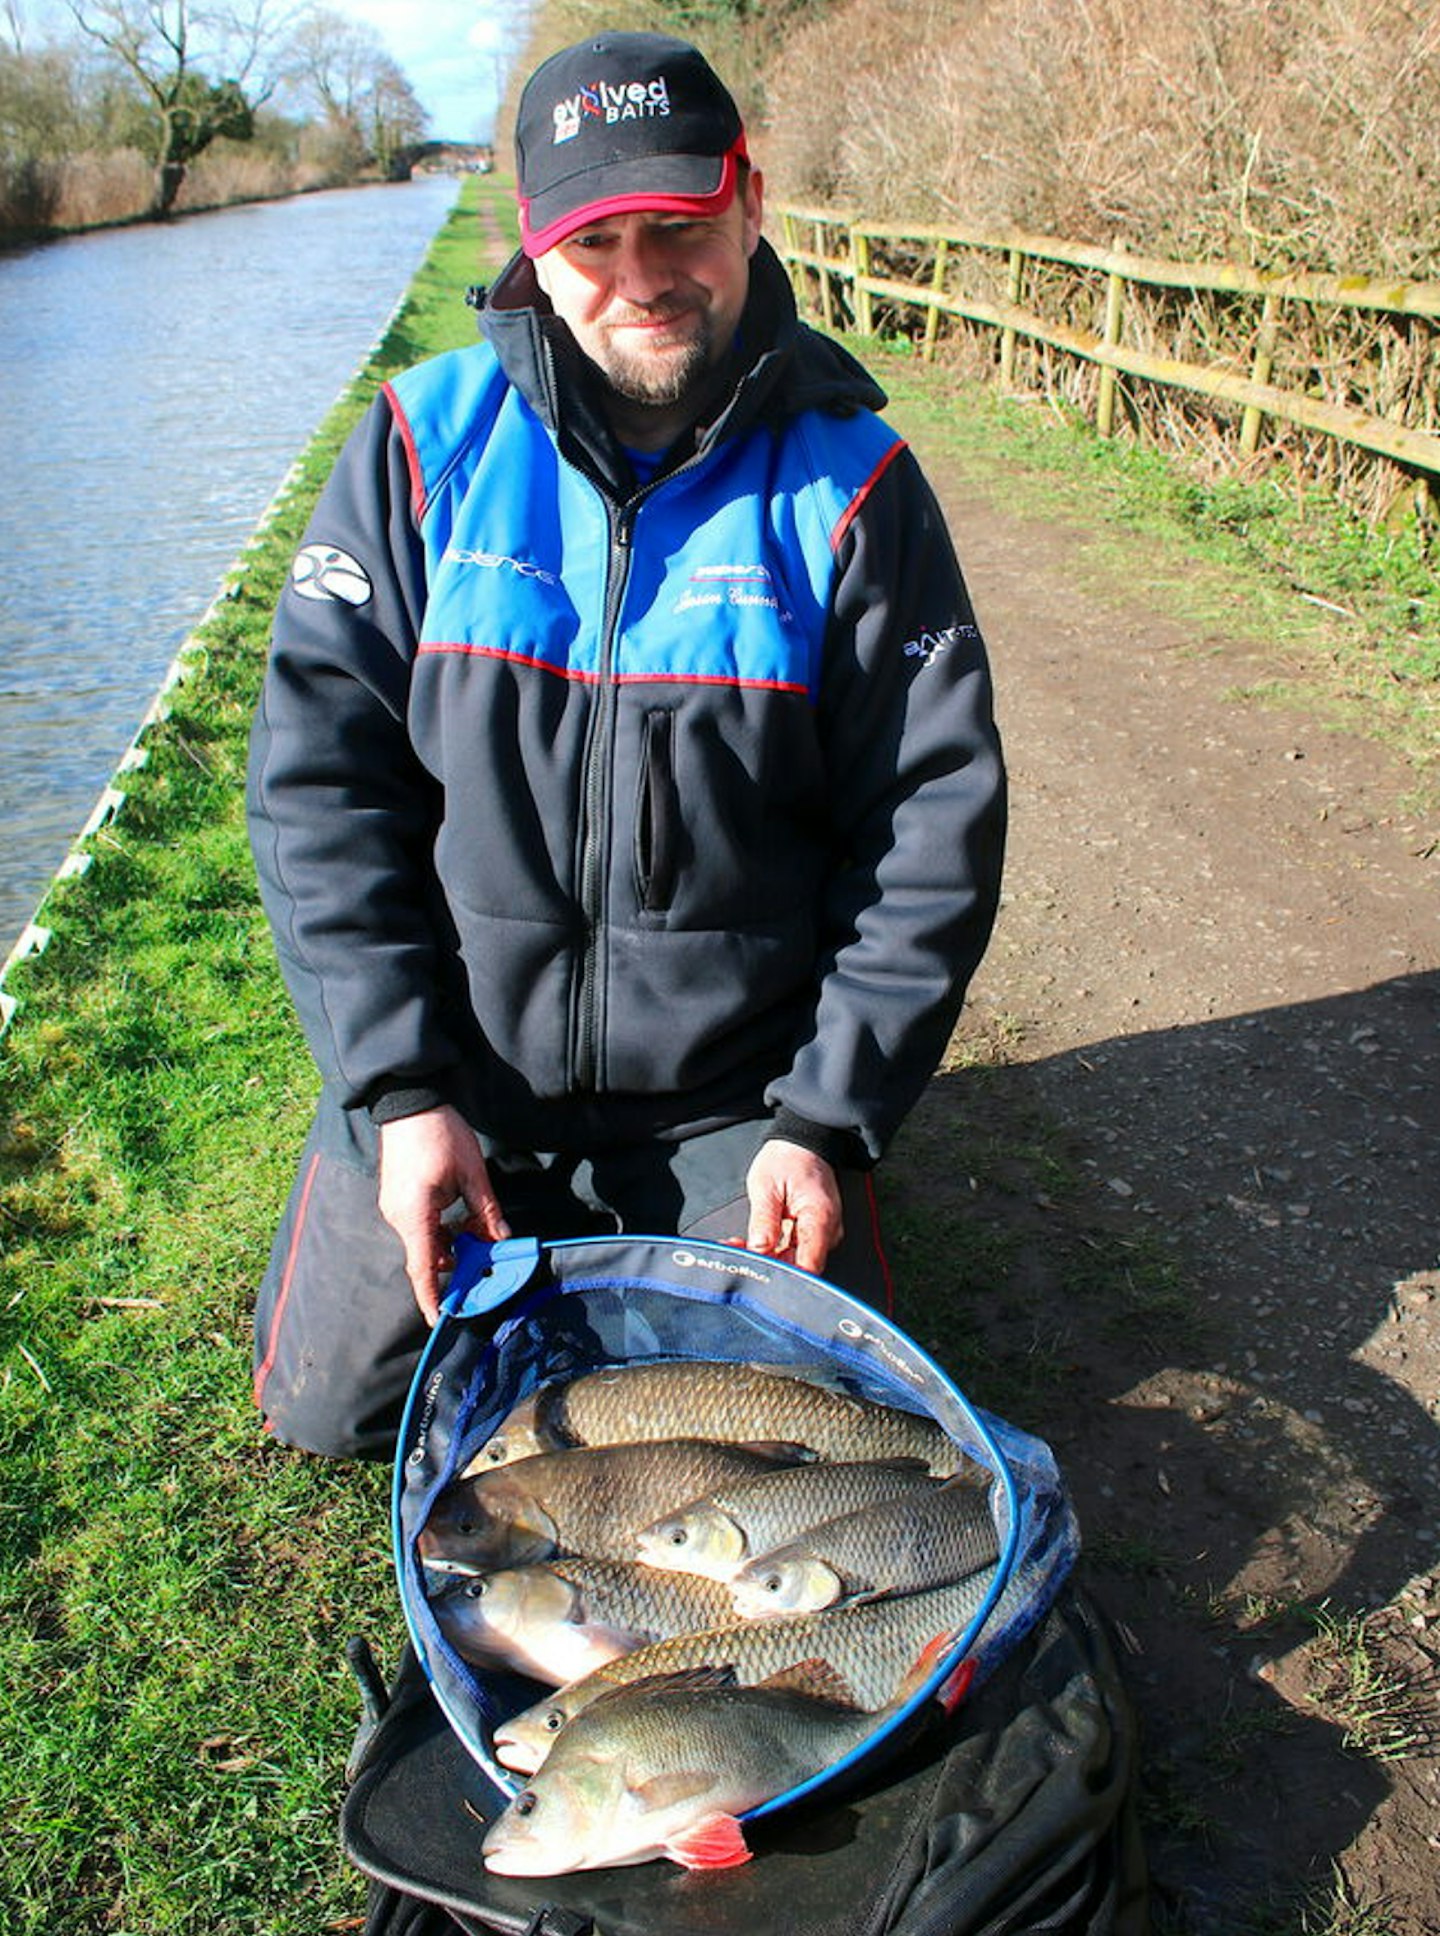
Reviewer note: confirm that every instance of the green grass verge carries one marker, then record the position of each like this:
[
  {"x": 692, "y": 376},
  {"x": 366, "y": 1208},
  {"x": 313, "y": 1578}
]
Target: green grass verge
[{"x": 176, "y": 1591}]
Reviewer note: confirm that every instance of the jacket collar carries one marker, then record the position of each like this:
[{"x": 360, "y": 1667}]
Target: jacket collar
[{"x": 778, "y": 368}]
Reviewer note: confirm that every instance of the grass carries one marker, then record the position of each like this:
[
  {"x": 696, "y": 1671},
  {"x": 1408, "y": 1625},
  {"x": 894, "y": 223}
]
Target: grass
[{"x": 176, "y": 1590}]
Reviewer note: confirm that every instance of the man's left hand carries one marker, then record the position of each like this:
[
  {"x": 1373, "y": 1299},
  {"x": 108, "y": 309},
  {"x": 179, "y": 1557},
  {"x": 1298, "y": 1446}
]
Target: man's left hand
[{"x": 795, "y": 1212}]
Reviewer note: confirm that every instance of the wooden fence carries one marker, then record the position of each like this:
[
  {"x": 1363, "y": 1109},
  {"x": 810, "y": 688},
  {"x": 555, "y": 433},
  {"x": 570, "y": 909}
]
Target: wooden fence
[{"x": 1350, "y": 358}]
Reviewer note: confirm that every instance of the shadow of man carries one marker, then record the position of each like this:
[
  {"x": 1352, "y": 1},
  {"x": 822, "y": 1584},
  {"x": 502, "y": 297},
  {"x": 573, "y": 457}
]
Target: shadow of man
[{"x": 1202, "y": 1262}]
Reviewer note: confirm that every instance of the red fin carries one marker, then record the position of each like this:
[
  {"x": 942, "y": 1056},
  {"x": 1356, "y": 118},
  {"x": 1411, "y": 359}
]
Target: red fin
[
  {"x": 930, "y": 1657},
  {"x": 952, "y": 1692},
  {"x": 714, "y": 1842}
]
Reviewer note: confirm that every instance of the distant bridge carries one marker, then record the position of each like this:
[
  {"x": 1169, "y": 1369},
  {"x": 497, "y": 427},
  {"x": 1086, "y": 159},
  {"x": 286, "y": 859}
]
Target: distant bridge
[{"x": 476, "y": 156}]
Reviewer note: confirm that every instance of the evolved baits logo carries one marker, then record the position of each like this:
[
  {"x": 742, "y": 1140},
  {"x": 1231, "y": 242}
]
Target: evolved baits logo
[
  {"x": 325, "y": 572},
  {"x": 606, "y": 104}
]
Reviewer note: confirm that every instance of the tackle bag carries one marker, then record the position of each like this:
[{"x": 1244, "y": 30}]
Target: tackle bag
[{"x": 521, "y": 1313}]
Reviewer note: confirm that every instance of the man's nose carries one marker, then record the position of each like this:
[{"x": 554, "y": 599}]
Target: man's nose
[{"x": 645, "y": 271}]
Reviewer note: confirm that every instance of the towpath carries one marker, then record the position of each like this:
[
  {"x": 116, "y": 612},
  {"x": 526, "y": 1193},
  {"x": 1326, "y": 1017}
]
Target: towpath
[{"x": 1214, "y": 993}]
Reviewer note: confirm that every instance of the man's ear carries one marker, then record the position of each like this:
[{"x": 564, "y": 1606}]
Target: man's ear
[{"x": 754, "y": 210}]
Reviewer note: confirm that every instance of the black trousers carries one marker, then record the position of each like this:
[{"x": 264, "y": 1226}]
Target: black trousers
[{"x": 337, "y": 1332}]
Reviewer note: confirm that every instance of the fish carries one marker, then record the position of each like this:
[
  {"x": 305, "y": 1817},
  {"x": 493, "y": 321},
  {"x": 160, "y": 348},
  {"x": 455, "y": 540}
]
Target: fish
[
  {"x": 922, "y": 1539},
  {"x": 866, "y": 1648},
  {"x": 664, "y": 1768},
  {"x": 719, "y": 1534},
  {"x": 561, "y": 1620},
  {"x": 743, "y": 1404},
  {"x": 595, "y": 1500}
]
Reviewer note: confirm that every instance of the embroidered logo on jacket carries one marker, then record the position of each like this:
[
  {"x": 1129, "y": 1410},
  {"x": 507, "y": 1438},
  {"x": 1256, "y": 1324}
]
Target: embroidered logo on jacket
[
  {"x": 325, "y": 572},
  {"x": 929, "y": 645},
  {"x": 715, "y": 585},
  {"x": 497, "y": 561}
]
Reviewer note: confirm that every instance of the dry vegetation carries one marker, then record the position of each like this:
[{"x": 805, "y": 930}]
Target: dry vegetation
[{"x": 1274, "y": 132}]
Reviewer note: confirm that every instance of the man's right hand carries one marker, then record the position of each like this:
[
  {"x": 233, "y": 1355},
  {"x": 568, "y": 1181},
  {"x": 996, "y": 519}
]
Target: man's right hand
[{"x": 428, "y": 1162}]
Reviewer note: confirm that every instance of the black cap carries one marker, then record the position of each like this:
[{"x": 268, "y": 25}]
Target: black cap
[{"x": 622, "y": 122}]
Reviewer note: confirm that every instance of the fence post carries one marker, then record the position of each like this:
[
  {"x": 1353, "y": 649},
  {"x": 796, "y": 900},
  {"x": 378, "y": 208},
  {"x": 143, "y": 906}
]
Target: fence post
[
  {"x": 1259, "y": 373},
  {"x": 937, "y": 283},
  {"x": 1114, "y": 304},
  {"x": 822, "y": 250},
  {"x": 1008, "y": 334},
  {"x": 860, "y": 259},
  {"x": 792, "y": 250}
]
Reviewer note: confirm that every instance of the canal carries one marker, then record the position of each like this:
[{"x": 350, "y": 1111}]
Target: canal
[{"x": 159, "y": 381}]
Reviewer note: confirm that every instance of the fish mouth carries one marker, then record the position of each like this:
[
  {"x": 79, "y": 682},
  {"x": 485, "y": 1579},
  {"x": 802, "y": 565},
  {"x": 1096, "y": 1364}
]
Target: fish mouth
[{"x": 516, "y": 1756}]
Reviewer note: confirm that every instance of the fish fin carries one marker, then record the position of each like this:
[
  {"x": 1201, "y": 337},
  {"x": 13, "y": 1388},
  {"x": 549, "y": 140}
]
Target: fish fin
[
  {"x": 714, "y": 1842},
  {"x": 682, "y": 1680},
  {"x": 952, "y": 1692},
  {"x": 931, "y": 1655},
  {"x": 676, "y": 1785},
  {"x": 818, "y": 1679},
  {"x": 783, "y": 1451}
]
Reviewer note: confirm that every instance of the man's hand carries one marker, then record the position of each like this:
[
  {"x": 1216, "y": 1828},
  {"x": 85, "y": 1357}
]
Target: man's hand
[
  {"x": 794, "y": 1205},
  {"x": 427, "y": 1162}
]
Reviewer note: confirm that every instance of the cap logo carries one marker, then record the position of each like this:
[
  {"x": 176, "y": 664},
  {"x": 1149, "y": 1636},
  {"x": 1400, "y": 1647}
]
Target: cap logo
[{"x": 631, "y": 101}]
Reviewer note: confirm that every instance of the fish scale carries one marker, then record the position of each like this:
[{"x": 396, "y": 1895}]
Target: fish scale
[
  {"x": 893, "y": 1546},
  {"x": 717, "y": 1534},
  {"x": 869, "y": 1645},
  {"x": 714, "y": 1399},
  {"x": 593, "y": 1500}
]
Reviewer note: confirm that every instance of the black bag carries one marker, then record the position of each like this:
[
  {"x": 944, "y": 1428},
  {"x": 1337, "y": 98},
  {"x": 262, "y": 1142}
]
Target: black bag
[{"x": 1014, "y": 1815}]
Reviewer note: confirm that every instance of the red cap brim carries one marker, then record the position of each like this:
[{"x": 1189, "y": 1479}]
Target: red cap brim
[{"x": 631, "y": 201}]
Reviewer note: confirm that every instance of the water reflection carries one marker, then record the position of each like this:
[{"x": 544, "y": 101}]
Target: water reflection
[{"x": 159, "y": 382}]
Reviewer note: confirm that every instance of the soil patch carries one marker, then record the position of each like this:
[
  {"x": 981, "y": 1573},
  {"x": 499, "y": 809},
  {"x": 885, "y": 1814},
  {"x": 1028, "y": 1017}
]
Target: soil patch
[{"x": 1201, "y": 1125}]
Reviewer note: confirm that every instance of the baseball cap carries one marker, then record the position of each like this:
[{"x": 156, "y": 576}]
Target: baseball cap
[{"x": 618, "y": 123}]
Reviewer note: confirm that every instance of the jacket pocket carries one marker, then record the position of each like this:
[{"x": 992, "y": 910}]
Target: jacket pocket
[{"x": 657, "y": 814}]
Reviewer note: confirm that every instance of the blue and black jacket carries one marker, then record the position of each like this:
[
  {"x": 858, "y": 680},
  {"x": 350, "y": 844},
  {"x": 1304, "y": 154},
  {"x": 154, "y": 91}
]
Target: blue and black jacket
[{"x": 607, "y": 810}]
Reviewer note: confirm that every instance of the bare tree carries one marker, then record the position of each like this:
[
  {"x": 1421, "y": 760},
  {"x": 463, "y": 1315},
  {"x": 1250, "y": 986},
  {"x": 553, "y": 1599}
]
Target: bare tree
[
  {"x": 342, "y": 66},
  {"x": 173, "y": 51}
]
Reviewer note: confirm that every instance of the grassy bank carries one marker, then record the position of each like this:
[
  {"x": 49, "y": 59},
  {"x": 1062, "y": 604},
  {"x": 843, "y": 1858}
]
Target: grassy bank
[{"x": 176, "y": 1592}]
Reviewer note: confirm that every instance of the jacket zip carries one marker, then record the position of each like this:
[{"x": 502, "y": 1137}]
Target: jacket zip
[{"x": 595, "y": 808}]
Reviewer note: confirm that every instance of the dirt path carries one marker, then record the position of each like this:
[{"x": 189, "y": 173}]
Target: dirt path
[{"x": 1214, "y": 991}]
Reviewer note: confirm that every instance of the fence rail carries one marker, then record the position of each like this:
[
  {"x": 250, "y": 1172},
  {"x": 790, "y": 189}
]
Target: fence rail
[{"x": 1378, "y": 390}]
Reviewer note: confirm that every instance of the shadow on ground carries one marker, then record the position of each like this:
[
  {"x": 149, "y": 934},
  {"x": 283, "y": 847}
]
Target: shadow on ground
[{"x": 1202, "y": 1263}]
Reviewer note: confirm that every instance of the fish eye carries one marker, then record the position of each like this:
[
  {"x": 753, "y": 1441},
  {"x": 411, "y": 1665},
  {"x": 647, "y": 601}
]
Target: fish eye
[
  {"x": 678, "y": 1536},
  {"x": 524, "y": 1803},
  {"x": 773, "y": 1582},
  {"x": 554, "y": 1721},
  {"x": 494, "y": 1452},
  {"x": 475, "y": 1589}
]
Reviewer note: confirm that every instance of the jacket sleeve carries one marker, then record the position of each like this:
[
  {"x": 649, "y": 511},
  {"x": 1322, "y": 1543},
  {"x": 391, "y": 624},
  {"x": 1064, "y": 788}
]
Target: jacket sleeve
[
  {"x": 342, "y": 816},
  {"x": 917, "y": 779}
]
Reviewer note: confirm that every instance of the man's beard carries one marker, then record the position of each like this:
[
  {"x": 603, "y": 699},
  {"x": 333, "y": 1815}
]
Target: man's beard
[{"x": 661, "y": 382}]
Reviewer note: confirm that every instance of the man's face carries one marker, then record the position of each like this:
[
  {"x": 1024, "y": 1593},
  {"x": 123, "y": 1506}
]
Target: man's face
[{"x": 655, "y": 299}]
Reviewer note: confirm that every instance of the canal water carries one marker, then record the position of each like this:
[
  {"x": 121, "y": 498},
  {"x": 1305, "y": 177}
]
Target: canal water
[{"x": 159, "y": 381}]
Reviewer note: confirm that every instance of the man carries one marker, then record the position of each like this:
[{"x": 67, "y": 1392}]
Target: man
[{"x": 625, "y": 794}]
